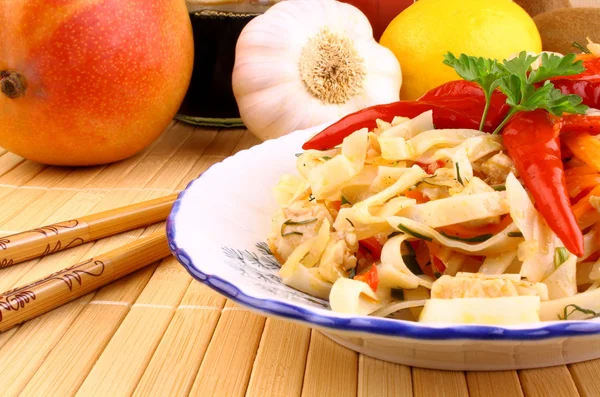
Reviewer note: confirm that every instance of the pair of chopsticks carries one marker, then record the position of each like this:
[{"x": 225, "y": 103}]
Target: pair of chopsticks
[{"x": 26, "y": 302}]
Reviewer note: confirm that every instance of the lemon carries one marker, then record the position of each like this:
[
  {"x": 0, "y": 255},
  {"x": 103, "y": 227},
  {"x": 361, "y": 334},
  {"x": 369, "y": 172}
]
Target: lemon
[{"x": 421, "y": 34}]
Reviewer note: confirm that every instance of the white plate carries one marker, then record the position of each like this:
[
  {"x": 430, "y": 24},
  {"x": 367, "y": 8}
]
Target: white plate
[{"x": 217, "y": 230}]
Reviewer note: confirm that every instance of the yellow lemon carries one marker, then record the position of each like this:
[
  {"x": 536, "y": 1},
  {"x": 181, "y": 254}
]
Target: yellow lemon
[{"x": 421, "y": 34}]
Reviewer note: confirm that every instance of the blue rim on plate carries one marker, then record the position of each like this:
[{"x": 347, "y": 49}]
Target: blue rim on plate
[{"x": 366, "y": 324}]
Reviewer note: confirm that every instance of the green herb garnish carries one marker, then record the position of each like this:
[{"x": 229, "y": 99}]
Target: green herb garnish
[
  {"x": 345, "y": 201},
  {"x": 560, "y": 256},
  {"x": 352, "y": 273},
  {"x": 576, "y": 308},
  {"x": 581, "y": 48},
  {"x": 458, "y": 177},
  {"x": 292, "y": 233},
  {"x": 393, "y": 234},
  {"x": 485, "y": 72},
  {"x": 517, "y": 80},
  {"x": 326, "y": 158},
  {"x": 290, "y": 222},
  {"x": 499, "y": 188},
  {"x": 410, "y": 259},
  {"x": 514, "y": 234},
  {"x": 413, "y": 233},
  {"x": 428, "y": 183},
  {"x": 437, "y": 274},
  {"x": 476, "y": 239}
]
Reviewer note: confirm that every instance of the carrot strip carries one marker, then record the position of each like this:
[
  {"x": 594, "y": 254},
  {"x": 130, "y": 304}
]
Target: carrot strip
[
  {"x": 580, "y": 183},
  {"x": 597, "y": 237},
  {"x": 585, "y": 147},
  {"x": 580, "y": 170},
  {"x": 468, "y": 232},
  {"x": 584, "y": 57},
  {"x": 583, "y": 206},
  {"x": 417, "y": 195}
]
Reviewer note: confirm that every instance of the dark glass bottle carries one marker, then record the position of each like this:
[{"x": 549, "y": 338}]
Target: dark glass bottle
[{"x": 209, "y": 100}]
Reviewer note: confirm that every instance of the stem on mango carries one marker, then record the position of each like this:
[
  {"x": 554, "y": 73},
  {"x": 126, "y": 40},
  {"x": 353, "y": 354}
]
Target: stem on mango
[{"x": 12, "y": 84}]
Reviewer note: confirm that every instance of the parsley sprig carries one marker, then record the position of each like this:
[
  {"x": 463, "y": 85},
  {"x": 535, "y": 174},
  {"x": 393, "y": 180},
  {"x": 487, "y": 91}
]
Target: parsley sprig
[
  {"x": 485, "y": 72},
  {"x": 517, "y": 79}
]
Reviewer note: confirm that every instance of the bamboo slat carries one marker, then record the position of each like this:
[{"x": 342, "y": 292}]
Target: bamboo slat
[
  {"x": 166, "y": 183},
  {"x": 331, "y": 370},
  {"x": 223, "y": 145},
  {"x": 68, "y": 284},
  {"x": 195, "y": 315},
  {"x": 8, "y": 162},
  {"x": 280, "y": 361},
  {"x": 34, "y": 340},
  {"x": 123, "y": 361},
  {"x": 21, "y": 174},
  {"x": 494, "y": 384},
  {"x": 380, "y": 378},
  {"x": 543, "y": 382},
  {"x": 143, "y": 362},
  {"x": 176, "y": 361},
  {"x": 226, "y": 367},
  {"x": 20, "y": 198},
  {"x": 66, "y": 367},
  {"x": 19, "y": 373},
  {"x": 428, "y": 382},
  {"x": 586, "y": 376},
  {"x": 5, "y": 336},
  {"x": 163, "y": 334}
]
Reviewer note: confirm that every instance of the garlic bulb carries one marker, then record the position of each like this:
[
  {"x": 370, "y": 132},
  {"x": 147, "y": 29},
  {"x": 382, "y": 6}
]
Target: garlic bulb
[{"x": 309, "y": 62}]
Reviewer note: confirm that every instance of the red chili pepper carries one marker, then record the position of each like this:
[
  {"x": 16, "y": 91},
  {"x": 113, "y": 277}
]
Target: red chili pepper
[
  {"x": 586, "y": 84},
  {"x": 372, "y": 246},
  {"x": 456, "y": 104},
  {"x": 532, "y": 141},
  {"x": 431, "y": 168},
  {"x": 370, "y": 277},
  {"x": 580, "y": 123},
  {"x": 588, "y": 90},
  {"x": 437, "y": 266}
]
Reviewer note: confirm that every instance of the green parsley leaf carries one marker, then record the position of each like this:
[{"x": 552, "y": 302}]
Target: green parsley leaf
[
  {"x": 557, "y": 103},
  {"x": 560, "y": 256},
  {"x": 555, "y": 66},
  {"x": 485, "y": 72},
  {"x": 520, "y": 83},
  {"x": 519, "y": 65}
]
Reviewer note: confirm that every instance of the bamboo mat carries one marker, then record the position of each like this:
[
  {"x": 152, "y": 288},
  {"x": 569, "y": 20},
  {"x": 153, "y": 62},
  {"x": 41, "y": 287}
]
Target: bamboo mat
[{"x": 158, "y": 333}]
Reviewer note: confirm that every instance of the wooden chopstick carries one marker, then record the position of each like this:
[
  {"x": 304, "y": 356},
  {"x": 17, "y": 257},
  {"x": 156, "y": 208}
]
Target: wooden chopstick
[
  {"x": 26, "y": 302},
  {"x": 49, "y": 239}
]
